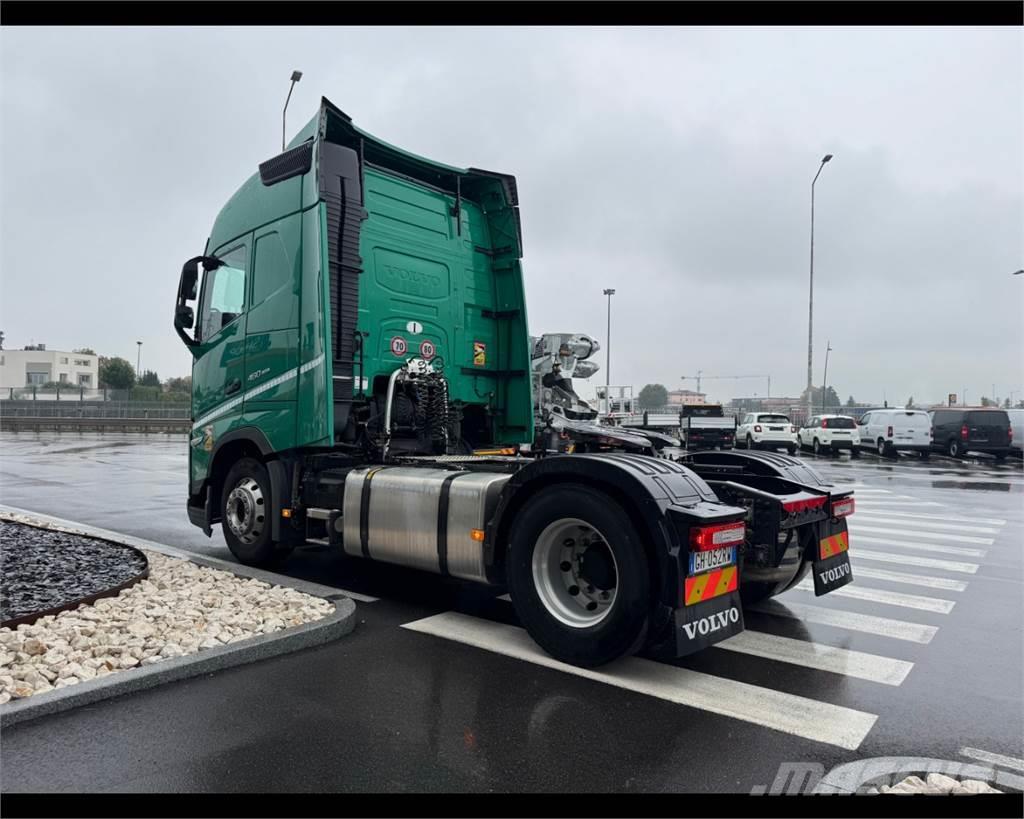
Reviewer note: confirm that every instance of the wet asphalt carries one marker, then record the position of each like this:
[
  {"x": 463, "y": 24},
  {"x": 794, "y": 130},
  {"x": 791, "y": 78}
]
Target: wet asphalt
[{"x": 390, "y": 709}]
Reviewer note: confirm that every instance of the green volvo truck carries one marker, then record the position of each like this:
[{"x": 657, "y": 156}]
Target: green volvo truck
[{"x": 362, "y": 379}]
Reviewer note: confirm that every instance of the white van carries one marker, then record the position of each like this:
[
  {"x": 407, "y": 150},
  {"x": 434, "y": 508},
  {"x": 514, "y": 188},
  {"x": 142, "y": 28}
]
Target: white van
[{"x": 890, "y": 431}]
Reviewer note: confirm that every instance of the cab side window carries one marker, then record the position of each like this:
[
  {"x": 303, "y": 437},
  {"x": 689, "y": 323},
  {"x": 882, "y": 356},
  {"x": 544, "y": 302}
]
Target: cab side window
[{"x": 224, "y": 292}]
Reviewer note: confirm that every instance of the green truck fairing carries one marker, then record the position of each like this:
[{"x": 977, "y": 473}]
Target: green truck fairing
[{"x": 344, "y": 257}]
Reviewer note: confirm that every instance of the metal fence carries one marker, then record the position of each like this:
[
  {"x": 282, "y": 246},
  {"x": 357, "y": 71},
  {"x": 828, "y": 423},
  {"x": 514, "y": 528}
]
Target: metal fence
[
  {"x": 85, "y": 394},
  {"x": 43, "y": 408}
]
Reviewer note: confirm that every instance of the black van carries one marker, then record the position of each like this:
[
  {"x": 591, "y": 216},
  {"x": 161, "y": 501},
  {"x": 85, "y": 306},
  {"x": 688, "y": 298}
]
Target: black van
[{"x": 955, "y": 431}]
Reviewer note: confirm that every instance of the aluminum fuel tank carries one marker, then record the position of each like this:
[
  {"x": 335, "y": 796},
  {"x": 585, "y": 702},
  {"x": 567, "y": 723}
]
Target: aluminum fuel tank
[{"x": 421, "y": 518}]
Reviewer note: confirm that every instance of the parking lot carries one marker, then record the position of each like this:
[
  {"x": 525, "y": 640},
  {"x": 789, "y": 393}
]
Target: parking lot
[{"x": 438, "y": 689}]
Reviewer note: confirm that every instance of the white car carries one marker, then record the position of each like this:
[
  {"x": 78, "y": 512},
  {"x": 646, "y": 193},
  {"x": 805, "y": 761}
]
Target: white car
[
  {"x": 766, "y": 430},
  {"x": 891, "y": 431},
  {"x": 830, "y": 432}
]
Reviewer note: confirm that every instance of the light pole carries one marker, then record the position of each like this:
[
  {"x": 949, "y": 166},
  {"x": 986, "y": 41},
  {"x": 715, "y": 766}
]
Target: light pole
[
  {"x": 138, "y": 363},
  {"x": 810, "y": 301},
  {"x": 296, "y": 76},
  {"x": 609, "y": 292},
  {"x": 824, "y": 387}
]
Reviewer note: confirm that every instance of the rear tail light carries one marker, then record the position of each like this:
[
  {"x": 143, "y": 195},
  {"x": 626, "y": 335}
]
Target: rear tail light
[
  {"x": 889, "y": 433},
  {"x": 792, "y": 428},
  {"x": 757, "y": 428},
  {"x": 931, "y": 432},
  {"x": 824, "y": 423},
  {"x": 842, "y": 508},
  {"x": 964, "y": 432},
  {"x": 1009, "y": 434},
  {"x": 703, "y": 538},
  {"x": 795, "y": 506}
]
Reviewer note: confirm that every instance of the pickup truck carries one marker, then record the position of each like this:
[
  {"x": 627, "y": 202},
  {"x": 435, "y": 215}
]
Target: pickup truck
[{"x": 705, "y": 426}]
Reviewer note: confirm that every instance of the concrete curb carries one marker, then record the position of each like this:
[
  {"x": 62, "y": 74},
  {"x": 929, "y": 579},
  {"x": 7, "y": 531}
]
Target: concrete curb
[{"x": 338, "y": 624}]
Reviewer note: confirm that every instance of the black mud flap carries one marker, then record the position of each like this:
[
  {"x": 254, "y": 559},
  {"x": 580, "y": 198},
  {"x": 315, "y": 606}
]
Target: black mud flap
[
  {"x": 831, "y": 566},
  {"x": 703, "y": 624}
]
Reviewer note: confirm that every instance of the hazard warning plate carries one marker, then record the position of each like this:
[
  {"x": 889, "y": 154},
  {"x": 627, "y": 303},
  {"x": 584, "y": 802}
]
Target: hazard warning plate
[{"x": 712, "y": 559}]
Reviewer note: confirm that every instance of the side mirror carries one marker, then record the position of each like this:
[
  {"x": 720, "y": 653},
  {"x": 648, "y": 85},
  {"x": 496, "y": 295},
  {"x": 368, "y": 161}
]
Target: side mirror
[
  {"x": 184, "y": 317},
  {"x": 188, "y": 283}
]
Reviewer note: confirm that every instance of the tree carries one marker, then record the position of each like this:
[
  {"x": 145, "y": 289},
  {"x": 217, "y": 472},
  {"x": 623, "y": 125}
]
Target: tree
[
  {"x": 653, "y": 396},
  {"x": 832, "y": 398},
  {"x": 85, "y": 351},
  {"x": 116, "y": 373},
  {"x": 850, "y": 403},
  {"x": 1, "y": 339},
  {"x": 986, "y": 402},
  {"x": 1006, "y": 402},
  {"x": 183, "y": 384},
  {"x": 910, "y": 403},
  {"x": 149, "y": 379}
]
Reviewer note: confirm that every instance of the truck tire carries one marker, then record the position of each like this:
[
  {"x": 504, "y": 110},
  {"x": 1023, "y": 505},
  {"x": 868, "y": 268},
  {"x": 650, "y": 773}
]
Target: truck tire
[
  {"x": 578, "y": 576},
  {"x": 245, "y": 515}
]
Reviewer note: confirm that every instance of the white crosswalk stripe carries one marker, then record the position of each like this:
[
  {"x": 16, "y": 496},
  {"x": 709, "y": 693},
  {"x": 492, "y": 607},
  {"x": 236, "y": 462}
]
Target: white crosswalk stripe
[
  {"x": 873, "y": 667},
  {"x": 993, "y": 759},
  {"x": 914, "y": 560},
  {"x": 911, "y": 516},
  {"x": 863, "y": 503},
  {"x": 910, "y": 579},
  {"x": 882, "y": 530},
  {"x": 853, "y": 621},
  {"x": 881, "y": 517},
  {"x": 789, "y": 713},
  {"x": 856, "y": 591},
  {"x": 913, "y": 544}
]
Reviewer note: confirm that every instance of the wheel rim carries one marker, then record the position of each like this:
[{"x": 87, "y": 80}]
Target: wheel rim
[
  {"x": 245, "y": 511},
  {"x": 954, "y": 450},
  {"x": 817, "y": 446},
  {"x": 881, "y": 447},
  {"x": 575, "y": 573}
]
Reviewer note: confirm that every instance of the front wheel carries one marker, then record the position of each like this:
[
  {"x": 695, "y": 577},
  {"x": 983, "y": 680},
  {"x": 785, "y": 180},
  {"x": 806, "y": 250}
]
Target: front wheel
[
  {"x": 245, "y": 515},
  {"x": 578, "y": 576},
  {"x": 956, "y": 449}
]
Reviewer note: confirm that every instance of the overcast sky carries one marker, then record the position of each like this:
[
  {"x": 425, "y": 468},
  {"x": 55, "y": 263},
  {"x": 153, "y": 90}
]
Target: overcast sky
[{"x": 671, "y": 164}]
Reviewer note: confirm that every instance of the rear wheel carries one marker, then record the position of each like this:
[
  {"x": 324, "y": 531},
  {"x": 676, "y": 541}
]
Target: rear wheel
[
  {"x": 245, "y": 515},
  {"x": 750, "y": 442},
  {"x": 816, "y": 446},
  {"x": 924, "y": 453},
  {"x": 956, "y": 449},
  {"x": 883, "y": 449},
  {"x": 791, "y": 449},
  {"x": 1000, "y": 456},
  {"x": 578, "y": 576}
]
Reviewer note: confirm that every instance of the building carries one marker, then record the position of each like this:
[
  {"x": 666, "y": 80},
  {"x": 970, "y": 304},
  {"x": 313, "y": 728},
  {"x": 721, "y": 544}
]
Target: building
[
  {"x": 765, "y": 404},
  {"x": 35, "y": 366},
  {"x": 679, "y": 398}
]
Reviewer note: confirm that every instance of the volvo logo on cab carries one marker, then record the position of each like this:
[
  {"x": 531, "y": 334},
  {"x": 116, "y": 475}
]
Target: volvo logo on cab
[{"x": 712, "y": 623}]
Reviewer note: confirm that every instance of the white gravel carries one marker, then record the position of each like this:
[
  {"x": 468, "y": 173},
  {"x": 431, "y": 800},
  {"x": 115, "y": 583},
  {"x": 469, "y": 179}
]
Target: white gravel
[
  {"x": 938, "y": 784},
  {"x": 182, "y": 608}
]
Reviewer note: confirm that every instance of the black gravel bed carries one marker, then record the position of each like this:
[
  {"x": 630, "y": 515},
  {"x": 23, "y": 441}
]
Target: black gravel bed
[{"x": 44, "y": 571}]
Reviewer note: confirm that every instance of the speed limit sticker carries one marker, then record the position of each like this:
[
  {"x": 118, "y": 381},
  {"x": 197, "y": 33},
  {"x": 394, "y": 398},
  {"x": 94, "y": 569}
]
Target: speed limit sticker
[
  {"x": 398, "y": 346},
  {"x": 427, "y": 350}
]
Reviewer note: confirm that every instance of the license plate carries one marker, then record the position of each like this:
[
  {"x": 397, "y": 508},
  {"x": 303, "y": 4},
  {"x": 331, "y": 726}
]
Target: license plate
[
  {"x": 775, "y": 429},
  {"x": 712, "y": 559}
]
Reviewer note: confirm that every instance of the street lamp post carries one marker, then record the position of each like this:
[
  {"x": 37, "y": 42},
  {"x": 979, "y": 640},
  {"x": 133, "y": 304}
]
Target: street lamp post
[
  {"x": 296, "y": 76},
  {"x": 810, "y": 301},
  {"x": 609, "y": 292},
  {"x": 824, "y": 386},
  {"x": 138, "y": 363}
]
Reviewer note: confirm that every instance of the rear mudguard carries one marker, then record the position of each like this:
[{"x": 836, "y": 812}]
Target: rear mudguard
[{"x": 664, "y": 500}]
